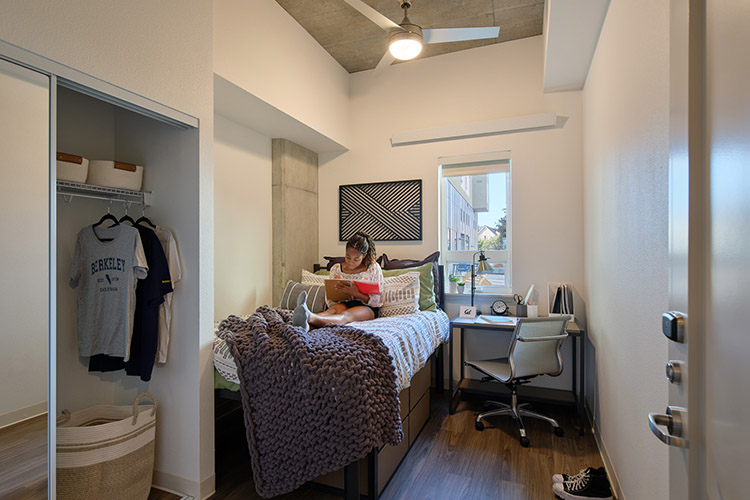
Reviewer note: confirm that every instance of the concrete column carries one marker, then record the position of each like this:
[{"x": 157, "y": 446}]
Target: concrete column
[{"x": 294, "y": 185}]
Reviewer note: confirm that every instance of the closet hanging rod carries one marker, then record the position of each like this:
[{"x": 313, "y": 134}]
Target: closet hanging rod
[{"x": 74, "y": 189}]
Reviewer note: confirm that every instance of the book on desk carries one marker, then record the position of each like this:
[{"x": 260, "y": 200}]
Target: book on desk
[{"x": 560, "y": 299}]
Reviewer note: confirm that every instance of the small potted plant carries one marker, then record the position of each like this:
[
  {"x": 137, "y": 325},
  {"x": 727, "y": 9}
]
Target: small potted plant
[
  {"x": 460, "y": 286},
  {"x": 453, "y": 283}
]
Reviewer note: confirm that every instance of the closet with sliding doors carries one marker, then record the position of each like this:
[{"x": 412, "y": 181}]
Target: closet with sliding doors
[{"x": 49, "y": 341}]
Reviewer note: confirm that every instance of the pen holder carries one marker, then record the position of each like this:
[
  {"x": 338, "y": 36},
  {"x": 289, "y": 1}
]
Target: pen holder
[
  {"x": 521, "y": 310},
  {"x": 532, "y": 311}
]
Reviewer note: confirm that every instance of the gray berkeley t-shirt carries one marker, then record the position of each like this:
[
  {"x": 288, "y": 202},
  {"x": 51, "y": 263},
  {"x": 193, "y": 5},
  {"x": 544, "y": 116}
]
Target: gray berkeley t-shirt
[{"x": 106, "y": 274}]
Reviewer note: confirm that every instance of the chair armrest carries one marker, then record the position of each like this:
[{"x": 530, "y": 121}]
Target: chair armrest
[{"x": 541, "y": 339}]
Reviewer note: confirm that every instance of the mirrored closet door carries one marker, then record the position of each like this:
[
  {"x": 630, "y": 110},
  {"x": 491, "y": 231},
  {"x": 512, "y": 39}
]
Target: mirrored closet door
[{"x": 24, "y": 280}]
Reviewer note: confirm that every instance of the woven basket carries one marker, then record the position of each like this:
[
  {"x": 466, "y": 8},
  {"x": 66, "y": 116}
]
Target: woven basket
[{"x": 106, "y": 452}]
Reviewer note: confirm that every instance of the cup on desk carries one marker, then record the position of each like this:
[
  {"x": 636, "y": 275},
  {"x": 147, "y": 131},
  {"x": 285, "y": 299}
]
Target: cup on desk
[
  {"x": 521, "y": 310},
  {"x": 532, "y": 311}
]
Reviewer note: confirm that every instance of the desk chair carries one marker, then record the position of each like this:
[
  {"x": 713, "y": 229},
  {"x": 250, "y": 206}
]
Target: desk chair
[{"x": 534, "y": 350}]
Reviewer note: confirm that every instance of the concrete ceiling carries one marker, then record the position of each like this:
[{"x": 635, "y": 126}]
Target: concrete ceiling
[{"x": 358, "y": 44}]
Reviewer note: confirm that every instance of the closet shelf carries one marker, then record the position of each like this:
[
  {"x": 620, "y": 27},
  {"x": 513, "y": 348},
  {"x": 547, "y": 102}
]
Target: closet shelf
[{"x": 74, "y": 189}]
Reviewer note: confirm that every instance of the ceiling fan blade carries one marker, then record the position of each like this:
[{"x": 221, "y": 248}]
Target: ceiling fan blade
[
  {"x": 442, "y": 35},
  {"x": 386, "y": 61},
  {"x": 373, "y": 15}
]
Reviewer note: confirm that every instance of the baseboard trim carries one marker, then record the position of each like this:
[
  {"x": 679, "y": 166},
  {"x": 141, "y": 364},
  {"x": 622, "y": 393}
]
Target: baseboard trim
[
  {"x": 208, "y": 486},
  {"x": 18, "y": 416},
  {"x": 611, "y": 474},
  {"x": 175, "y": 484},
  {"x": 185, "y": 488}
]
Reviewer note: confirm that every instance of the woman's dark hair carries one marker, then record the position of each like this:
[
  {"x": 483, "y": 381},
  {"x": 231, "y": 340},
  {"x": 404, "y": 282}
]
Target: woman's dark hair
[{"x": 365, "y": 244}]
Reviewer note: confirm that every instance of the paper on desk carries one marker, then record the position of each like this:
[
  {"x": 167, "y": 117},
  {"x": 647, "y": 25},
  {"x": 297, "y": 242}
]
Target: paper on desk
[{"x": 498, "y": 319}]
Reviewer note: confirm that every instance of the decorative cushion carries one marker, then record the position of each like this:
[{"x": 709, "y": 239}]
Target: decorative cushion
[
  {"x": 309, "y": 278},
  {"x": 316, "y": 296},
  {"x": 426, "y": 284},
  {"x": 322, "y": 272},
  {"x": 400, "y": 295},
  {"x": 387, "y": 263}
]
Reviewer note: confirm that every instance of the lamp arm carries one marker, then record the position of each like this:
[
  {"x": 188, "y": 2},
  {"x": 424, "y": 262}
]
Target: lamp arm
[{"x": 473, "y": 287}]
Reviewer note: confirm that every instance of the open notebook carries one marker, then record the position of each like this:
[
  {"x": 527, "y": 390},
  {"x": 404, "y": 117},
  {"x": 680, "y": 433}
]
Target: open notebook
[{"x": 334, "y": 295}]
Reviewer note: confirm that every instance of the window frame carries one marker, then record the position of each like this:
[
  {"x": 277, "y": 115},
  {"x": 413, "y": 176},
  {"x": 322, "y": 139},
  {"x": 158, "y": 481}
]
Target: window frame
[{"x": 483, "y": 163}]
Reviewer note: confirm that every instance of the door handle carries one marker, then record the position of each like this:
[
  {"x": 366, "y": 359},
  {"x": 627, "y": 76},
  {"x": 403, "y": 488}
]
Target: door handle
[{"x": 675, "y": 422}]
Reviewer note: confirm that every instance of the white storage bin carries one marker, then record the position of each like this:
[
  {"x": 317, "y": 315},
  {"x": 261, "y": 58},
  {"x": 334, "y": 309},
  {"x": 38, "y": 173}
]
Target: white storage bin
[
  {"x": 106, "y": 452},
  {"x": 115, "y": 174},
  {"x": 72, "y": 168}
]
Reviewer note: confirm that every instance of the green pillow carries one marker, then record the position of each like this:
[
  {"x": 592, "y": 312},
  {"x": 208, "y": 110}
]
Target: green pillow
[
  {"x": 426, "y": 284},
  {"x": 323, "y": 272}
]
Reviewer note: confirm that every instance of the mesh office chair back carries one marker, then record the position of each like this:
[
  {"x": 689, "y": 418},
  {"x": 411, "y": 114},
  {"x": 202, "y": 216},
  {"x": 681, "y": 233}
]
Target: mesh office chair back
[{"x": 535, "y": 349}]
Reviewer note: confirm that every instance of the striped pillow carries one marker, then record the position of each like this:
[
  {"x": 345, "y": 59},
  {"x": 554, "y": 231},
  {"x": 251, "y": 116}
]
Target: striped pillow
[
  {"x": 309, "y": 278},
  {"x": 316, "y": 296},
  {"x": 400, "y": 295}
]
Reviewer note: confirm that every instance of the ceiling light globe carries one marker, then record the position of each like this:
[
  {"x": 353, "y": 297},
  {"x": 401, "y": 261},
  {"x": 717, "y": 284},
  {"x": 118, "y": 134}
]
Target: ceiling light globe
[{"x": 405, "y": 45}]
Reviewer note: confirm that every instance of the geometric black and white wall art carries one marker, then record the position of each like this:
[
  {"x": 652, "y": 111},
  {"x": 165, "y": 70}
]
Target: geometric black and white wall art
[{"x": 387, "y": 211}]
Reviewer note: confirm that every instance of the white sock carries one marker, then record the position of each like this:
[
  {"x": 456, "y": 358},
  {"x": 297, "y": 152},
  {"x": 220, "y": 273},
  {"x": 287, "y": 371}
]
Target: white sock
[
  {"x": 301, "y": 315},
  {"x": 302, "y": 297}
]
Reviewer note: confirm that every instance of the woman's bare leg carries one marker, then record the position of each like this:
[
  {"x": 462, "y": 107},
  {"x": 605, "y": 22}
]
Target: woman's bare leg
[{"x": 338, "y": 314}]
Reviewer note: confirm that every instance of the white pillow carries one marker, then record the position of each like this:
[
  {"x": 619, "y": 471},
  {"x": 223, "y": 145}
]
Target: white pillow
[
  {"x": 400, "y": 295},
  {"x": 309, "y": 278}
]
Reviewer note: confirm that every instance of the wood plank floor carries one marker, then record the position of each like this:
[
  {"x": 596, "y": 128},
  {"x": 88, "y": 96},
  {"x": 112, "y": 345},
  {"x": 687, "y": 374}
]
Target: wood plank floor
[
  {"x": 23, "y": 460},
  {"x": 449, "y": 460}
]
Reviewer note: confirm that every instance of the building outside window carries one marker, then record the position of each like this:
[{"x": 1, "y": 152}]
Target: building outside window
[{"x": 475, "y": 213}]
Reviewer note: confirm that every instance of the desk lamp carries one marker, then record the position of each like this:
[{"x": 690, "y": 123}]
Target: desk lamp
[{"x": 482, "y": 268}]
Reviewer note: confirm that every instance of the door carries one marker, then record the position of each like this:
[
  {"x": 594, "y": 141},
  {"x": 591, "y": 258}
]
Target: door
[
  {"x": 24, "y": 280},
  {"x": 727, "y": 406},
  {"x": 710, "y": 245}
]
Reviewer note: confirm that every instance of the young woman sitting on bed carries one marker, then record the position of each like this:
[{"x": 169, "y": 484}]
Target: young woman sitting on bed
[{"x": 359, "y": 265}]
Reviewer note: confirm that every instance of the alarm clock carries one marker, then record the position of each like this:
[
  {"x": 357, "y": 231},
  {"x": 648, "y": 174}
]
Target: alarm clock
[{"x": 499, "y": 308}]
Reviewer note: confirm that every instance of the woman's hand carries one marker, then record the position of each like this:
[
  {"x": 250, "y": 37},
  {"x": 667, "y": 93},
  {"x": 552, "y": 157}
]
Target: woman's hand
[
  {"x": 350, "y": 288},
  {"x": 347, "y": 287}
]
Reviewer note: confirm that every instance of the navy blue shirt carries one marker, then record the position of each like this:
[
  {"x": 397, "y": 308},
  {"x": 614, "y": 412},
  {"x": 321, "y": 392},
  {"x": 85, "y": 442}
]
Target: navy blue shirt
[{"x": 149, "y": 295}]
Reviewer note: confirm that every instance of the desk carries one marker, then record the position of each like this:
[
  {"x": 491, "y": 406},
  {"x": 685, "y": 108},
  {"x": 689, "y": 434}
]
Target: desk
[{"x": 470, "y": 386}]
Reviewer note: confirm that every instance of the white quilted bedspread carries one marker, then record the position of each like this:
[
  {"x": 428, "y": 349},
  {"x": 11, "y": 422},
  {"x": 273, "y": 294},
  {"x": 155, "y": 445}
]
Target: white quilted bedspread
[{"x": 410, "y": 339}]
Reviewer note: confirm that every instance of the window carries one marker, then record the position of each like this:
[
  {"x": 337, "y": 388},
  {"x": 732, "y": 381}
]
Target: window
[{"x": 475, "y": 215}]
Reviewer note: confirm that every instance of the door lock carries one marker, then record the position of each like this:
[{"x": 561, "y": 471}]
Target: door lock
[
  {"x": 676, "y": 422},
  {"x": 674, "y": 371},
  {"x": 673, "y": 326}
]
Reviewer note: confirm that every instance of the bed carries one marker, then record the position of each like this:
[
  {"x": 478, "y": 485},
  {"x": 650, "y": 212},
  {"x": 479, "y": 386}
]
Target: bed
[{"x": 411, "y": 340}]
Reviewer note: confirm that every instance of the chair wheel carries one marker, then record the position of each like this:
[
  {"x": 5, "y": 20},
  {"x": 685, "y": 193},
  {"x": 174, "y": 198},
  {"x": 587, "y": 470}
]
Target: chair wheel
[
  {"x": 525, "y": 442},
  {"x": 478, "y": 425},
  {"x": 559, "y": 431}
]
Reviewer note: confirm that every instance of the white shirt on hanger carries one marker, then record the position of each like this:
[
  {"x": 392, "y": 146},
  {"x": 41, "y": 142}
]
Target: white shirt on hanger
[{"x": 169, "y": 244}]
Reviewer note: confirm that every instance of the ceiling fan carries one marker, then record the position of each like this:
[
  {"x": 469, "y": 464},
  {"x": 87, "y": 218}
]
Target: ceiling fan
[{"x": 405, "y": 40}]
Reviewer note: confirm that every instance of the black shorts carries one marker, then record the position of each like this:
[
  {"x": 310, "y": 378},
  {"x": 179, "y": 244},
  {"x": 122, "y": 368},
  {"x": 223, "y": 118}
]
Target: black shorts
[{"x": 353, "y": 303}]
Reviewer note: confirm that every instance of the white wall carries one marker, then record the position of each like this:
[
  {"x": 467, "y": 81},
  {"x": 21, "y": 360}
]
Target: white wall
[
  {"x": 162, "y": 51},
  {"x": 263, "y": 50},
  {"x": 497, "y": 81},
  {"x": 243, "y": 225},
  {"x": 625, "y": 104}
]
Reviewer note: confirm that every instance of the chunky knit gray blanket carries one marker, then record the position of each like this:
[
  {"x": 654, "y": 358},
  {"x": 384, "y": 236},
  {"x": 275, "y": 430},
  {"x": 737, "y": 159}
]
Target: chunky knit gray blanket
[{"x": 313, "y": 401}]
